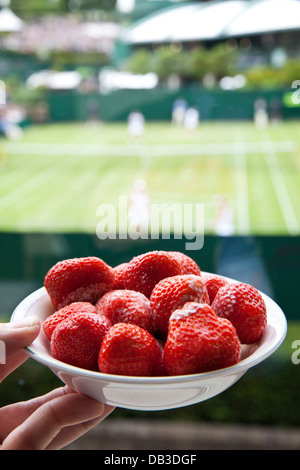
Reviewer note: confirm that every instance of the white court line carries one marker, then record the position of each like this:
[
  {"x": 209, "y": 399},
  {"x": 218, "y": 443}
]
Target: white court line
[
  {"x": 123, "y": 150},
  {"x": 243, "y": 217},
  {"x": 13, "y": 197},
  {"x": 21, "y": 191},
  {"x": 280, "y": 188}
]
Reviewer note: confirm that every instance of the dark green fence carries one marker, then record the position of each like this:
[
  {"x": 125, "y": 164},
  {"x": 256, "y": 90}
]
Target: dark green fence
[{"x": 157, "y": 104}]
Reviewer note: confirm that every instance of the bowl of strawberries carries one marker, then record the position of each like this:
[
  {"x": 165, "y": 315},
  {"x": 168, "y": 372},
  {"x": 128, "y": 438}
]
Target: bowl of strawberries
[{"x": 153, "y": 333}]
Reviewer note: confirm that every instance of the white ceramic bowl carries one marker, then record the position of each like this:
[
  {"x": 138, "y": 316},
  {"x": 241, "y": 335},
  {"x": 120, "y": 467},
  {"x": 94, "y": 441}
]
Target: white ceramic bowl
[{"x": 150, "y": 393}]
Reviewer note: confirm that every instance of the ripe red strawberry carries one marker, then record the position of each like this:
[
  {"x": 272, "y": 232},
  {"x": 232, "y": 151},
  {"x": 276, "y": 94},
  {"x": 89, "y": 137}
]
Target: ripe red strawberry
[
  {"x": 213, "y": 283},
  {"x": 77, "y": 339},
  {"x": 199, "y": 341},
  {"x": 78, "y": 280},
  {"x": 145, "y": 271},
  {"x": 53, "y": 320},
  {"x": 172, "y": 293},
  {"x": 126, "y": 306},
  {"x": 119, "y": 272},
  {"x": 129, "y": 350},
  {"x": 244, "y": 306},
  {"x": 188, "y": 265}
]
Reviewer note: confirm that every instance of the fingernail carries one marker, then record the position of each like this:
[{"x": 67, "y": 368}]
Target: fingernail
[{"x": 26, "y": 322}]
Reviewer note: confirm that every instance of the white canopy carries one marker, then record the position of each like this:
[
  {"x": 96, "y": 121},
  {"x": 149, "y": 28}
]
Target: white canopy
[
  {"x": 216, "y": 19},
  {"x": 54, "y": 80},
  {"x": 9, "y": 21},
  {"x": 266, "y": 16},
  {"x": 209, "y": 21},
  {"x": 161, "y": 27}
]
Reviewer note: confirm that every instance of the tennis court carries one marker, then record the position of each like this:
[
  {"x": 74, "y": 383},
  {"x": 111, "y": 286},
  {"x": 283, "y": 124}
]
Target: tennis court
[{"x": 56, "y": 175}]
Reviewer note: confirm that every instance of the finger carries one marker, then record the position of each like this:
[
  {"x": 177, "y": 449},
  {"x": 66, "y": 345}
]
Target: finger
[
  {"x": 71, "y": 433},
  {"x": 14, "y": 338},
  {"x": 39, "y": 430},
  {"x": 16, "y": 335},
  {"x": 11, "y": 416}
]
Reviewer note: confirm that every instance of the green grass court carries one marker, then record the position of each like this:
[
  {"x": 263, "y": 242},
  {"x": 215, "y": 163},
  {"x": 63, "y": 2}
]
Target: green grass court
[{"x": 56, "y": 175}]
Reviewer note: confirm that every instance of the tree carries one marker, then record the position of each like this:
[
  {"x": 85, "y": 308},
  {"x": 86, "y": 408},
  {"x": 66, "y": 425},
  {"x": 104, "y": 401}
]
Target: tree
[
  {"x": 37, "y": 6},
  {"x": 187, "y": 64},
  {"x": 140, "y": 61},
  {"x": 30, "y": 7}
]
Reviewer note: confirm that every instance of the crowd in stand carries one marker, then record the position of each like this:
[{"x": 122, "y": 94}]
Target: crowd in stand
[{"x": 66, "y": 33}]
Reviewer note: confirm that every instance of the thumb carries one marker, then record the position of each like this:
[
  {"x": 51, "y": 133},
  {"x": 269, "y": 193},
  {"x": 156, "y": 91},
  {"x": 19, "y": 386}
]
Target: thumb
[{"x": 14, "y": 337}]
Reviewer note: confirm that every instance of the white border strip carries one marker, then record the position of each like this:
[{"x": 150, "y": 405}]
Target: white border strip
[
  {"x": 163, "y": 150},
  {"x": 243, "y": 216}
]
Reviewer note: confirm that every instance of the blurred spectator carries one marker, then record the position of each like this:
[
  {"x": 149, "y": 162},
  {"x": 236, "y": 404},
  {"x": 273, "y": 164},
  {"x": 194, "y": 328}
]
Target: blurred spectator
[
  {"x": 136, "y": 125},
  {"x": 178, "y": 111},
  {"x": 191, "y": 119},
  {"x": 261, "y": 118},
  {"x": 10, "y": 118},
  {"x": 224, "y": 220},
  {"x": 139, "y": 207}
]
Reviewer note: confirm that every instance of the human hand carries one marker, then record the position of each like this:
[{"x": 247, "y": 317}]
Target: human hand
[{"x": 48, "y": 422}]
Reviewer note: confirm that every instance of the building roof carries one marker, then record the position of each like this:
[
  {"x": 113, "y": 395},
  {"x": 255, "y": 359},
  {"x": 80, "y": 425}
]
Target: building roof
[{"x": 215, "y": 20}]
